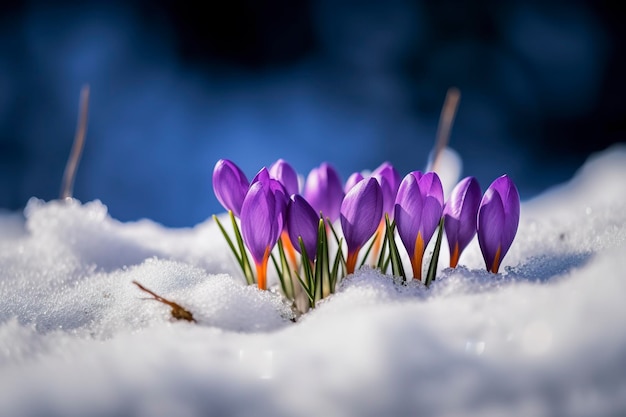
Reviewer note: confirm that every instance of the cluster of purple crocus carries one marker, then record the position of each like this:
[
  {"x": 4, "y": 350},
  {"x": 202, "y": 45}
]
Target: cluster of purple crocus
[{"x": 272, "y": 208}]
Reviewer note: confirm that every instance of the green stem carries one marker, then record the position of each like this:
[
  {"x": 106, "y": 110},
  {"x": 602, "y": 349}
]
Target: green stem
[
  {"x": 396, "y": 262},
  {"x": 432, "y": 268},
  {"x": 245, "y": 262}
]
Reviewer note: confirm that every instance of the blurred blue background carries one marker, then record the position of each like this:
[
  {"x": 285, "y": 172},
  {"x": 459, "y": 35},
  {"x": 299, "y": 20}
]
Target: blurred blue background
[{"x": 175, "y": 87}]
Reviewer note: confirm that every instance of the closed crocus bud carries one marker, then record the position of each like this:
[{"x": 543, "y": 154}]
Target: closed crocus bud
[
  {"x": 302, "y": 221},
  {"x": 389, "y": 180},
  {"x": 324, "y": 191},
  {"x": 282, "y": 171},
  {"x": 277, "y": 188},
  {"x": 230, "y": 185},
  {"x": 352, "y": 181},
  {"x": 498, "y": 218},
  {"x": 262, "y": 216},
  {"x": 460, "y": 215},
  {"x": 361, "y": 211},
  {"x": 418, "y": 209}
]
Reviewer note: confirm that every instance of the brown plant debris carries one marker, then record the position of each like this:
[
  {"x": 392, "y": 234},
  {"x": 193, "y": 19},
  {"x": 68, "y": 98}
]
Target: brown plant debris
[
  {"x": 67, "y": 186},
  {"x": 446, "y": 120},
  {"x": 178, "y": 312}
]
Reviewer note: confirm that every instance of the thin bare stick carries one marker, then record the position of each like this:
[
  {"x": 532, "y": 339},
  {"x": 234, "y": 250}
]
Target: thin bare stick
[
  {"x": 67, "y": 186},
  {"x": 448, "y": 112},
  {"x": 178, "y": 312}
]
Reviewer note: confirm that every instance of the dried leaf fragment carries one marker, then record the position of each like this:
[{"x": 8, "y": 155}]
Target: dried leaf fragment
[{"x": 178, "y": 312}]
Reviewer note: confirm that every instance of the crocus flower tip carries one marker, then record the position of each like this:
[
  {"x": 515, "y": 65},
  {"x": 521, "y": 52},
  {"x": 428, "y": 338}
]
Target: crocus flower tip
[{"x": 230, "y": 185}]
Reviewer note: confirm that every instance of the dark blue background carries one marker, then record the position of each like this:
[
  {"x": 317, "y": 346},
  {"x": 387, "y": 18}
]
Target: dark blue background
[{"x": 175, "y": 87}]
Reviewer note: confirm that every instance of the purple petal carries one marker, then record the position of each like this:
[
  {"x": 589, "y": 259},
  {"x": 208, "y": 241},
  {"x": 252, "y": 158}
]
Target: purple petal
[
  {"x": 324, "y": 191},
  {"x": 510, "y": 199},
  {"x": 282, "y": 171},
  {"x": 460, "y": 213},
  {"x": 361, "y": 211},
  {"x": 430, "y": 186},
  {"x": 302, "y": 221},
  {"x": 280, "y": 195},
  {"x": 417, "y": 174},
  {"x": 431, "y": 216},
  {"x": 230, "y": 185},
  {"x": 259, "y": 219},
  {"x": 389, "y": 180},
  {"x": 352, "y": 181},
  {"x": 432, "y": 195},
  {"x": 490, "y": 225},
  {"x": 262, "y": 175},
  {"x": 408, "y": 211},
  {"x": 498, "y": 219}
]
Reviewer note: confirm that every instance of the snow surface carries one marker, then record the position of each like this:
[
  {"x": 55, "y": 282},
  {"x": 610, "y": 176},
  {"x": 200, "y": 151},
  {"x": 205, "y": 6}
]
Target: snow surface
[{"x": 543, "y": 338}]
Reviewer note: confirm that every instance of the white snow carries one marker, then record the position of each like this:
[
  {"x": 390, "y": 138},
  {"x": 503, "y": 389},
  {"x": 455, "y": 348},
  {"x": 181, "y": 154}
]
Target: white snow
[{"x": 545, "y": 337}]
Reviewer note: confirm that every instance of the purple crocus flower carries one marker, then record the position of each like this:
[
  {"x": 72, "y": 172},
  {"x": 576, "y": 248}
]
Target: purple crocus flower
[
  {"x": 282, "y": 171},
  {"x": 276, "y": 186},
  {"x": 279, "y": 187},
  {"x": 389, "y": 180},
  {"x": 460, "y": 216},
  {"x": 361, "y": 210},
  {"x": 324, "y": 191},
  {"x": 352, "y": 181},
  {"x": 230, "y": 185},
  {"x": 498, "y": 218},
  {"x": 302, "y": 221},
  {"x": 262, "y": 217},
  {"x": 418, "y": 209}
]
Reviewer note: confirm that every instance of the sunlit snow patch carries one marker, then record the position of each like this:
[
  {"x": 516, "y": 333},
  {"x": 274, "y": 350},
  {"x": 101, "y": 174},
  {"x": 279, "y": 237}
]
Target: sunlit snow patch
[{"x": 544, "y": 337}]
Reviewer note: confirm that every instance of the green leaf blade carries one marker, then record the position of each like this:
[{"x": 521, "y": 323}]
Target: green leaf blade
[{"x": 432, "y": 267}]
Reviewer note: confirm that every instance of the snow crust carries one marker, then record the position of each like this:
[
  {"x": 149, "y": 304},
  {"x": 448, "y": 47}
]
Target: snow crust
[{"x": 545, "y": 337}]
